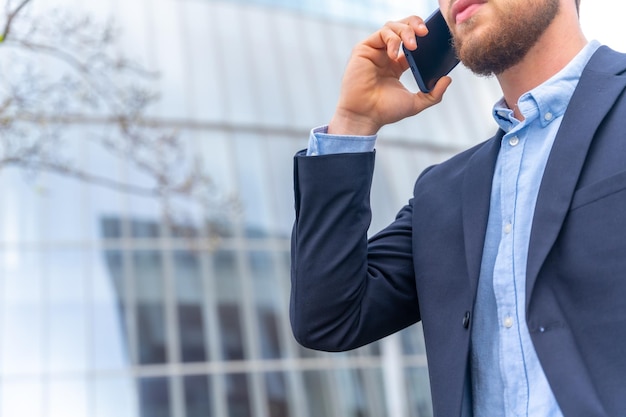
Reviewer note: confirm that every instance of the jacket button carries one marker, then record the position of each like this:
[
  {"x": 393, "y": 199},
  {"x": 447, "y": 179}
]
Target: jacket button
[{"x": 466, "y": 320}]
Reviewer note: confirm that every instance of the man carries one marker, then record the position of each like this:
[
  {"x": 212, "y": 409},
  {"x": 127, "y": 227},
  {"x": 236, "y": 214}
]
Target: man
[{"x": 512, "y": 253}]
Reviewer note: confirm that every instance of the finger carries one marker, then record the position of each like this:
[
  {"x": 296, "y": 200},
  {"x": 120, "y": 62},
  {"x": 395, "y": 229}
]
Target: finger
[
  {"x": 402, "y": 63},
  {"x": 392, "y": 34},
  {"x": 425, "y": 100},
  {"x": 418, "y": 26},
  {"x": 410, "y": 29},
  {"x": 391, "y": 37},
  {"x": 440, "y": 88}
]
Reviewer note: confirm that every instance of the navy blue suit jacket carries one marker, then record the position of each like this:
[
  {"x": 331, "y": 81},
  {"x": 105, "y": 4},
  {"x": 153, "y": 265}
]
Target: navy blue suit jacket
[{"x": 348, "y": 291}]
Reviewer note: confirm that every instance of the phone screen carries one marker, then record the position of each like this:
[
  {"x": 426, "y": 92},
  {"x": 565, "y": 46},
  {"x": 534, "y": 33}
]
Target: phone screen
[{"x": 434, "y": 56}]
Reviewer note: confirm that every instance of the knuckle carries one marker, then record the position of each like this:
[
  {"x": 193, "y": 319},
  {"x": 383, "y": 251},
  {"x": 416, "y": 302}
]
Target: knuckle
[
  {"x": 436, "y": 99},
  {"x": 389, "y": 26},
  {"x": 415, "y": 20},
  {"x": 389, "y": 36},
  {"x": 359, "y": 49}
]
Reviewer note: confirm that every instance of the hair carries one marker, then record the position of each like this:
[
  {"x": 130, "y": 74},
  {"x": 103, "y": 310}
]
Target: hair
[{"x": 578, "y": 6}]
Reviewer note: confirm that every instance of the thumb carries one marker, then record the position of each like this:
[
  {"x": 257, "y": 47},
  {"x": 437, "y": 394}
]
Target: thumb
[
  {"x": 426, "y": 100},
  {"x": 440, "y": 88}
]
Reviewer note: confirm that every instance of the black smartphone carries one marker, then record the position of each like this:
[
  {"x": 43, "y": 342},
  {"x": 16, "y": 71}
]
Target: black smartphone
[{"x": 434, "y": 56}]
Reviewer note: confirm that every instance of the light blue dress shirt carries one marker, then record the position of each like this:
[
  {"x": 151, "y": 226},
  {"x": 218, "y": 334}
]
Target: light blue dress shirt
[{"x": 507, "y": 378}]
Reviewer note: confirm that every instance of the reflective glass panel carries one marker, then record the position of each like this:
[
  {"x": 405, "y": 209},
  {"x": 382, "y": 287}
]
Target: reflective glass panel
[
  {"x": 109, "y": 296},
  {"x": 277, "y": 400},
  {"x": 191, "y": 309},
  {"x": 22, "y": 339},
  {"x": 115, "y": 397},
  {"x": 150, "y": 308},
  {"x": 253, "y": 184},
  {"x": 268, "y": 300},
  {"x": 21, "y": 397},
  {"x": 319, "y": 398},
  {"x": 413, "y": 340},
  {"x": 22, "y": 312},
  {"x": 68, "y": 397},
  {"x": 154, "y": 397},
  {"x": 67, "y": 337},
  {"x": 418, "y": 392},
  {"x": 19, "y": 211},
  {"x": 238, "y": 395},
  {"x": 231, "y": 332},
  {"x": 351, "y": 393},
  {"x": 198, "y": 401},
  {"x": 228, "y": 286},
  {"x": 67, "y": 280},
  {"x": 151, "y": 333}
]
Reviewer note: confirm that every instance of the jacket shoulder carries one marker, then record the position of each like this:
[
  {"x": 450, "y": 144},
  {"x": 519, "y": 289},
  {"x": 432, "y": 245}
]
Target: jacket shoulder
[{"x": 453, "y": 169}]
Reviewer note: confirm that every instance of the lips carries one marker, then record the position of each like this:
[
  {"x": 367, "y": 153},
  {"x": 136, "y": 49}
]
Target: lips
[{"x": 464, "y": 9}]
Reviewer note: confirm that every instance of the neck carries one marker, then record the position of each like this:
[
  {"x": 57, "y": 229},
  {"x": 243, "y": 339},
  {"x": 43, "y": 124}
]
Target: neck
[{"x": 560, "y": 43}]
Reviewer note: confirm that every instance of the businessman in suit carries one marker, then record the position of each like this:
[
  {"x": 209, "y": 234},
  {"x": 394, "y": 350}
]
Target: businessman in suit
[{"x": 512, "y": 253}]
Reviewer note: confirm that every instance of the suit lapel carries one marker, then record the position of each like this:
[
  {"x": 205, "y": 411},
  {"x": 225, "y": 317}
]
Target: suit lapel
[
  {"x": 596, "y": 92},
  {"x": 476, "y": 199}
]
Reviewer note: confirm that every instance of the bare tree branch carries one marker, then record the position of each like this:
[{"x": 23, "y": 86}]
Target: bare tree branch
[
  {"x": 10, "y": 17},
  {"x": 85, "y": 82}
]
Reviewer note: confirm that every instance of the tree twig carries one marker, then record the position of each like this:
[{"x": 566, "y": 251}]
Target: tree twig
[{"x": 10, "y": 17}]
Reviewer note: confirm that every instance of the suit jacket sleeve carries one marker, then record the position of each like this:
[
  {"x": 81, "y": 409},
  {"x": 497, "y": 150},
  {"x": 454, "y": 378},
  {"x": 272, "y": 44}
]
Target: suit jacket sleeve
[{"x": 346, "y": 291}]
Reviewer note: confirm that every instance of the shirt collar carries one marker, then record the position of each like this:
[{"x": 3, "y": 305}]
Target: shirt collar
[{"x": 548, "y": 101}]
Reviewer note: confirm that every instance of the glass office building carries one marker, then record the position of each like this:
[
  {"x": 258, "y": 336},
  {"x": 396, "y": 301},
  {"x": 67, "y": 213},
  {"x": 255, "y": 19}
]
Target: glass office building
[{"x": 105, "y": 311}]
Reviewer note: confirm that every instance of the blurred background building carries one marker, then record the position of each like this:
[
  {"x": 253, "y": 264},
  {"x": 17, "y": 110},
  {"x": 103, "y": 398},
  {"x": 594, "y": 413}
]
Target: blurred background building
[{"x": 107, "y": 311}]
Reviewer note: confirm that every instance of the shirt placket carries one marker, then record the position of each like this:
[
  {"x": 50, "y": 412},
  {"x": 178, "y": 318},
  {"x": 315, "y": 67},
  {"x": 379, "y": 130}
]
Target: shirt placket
[{"x": 505, "y": 286}]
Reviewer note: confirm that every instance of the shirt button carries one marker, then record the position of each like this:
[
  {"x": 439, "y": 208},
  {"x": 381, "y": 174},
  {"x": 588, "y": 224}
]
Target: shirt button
[
  {"x": 508, "y": 322},
  {"x": 514, "y": 141},
  {"x": 508, "y": 228},
  {"x": 548, "y": 116}
]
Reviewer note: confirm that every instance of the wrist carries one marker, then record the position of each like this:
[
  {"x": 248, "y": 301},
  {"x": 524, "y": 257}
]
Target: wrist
[{"x": 344, "y": 123}]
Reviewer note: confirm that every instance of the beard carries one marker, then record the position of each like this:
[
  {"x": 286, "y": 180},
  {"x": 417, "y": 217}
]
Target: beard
[{"x": 507, "y": 41}]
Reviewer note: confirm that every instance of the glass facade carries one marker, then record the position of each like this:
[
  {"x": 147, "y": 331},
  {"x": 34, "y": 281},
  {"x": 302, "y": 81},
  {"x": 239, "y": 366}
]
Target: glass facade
[
  {"x": 354, "y": 11},
  {"x": 106, "y": 310}
]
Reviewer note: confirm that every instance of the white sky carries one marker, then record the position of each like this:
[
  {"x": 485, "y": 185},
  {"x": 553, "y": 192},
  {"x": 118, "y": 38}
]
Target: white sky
[{"x": 604, "y": 20}]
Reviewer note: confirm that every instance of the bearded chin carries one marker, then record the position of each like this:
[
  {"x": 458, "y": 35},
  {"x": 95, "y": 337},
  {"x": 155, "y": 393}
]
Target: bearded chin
[
  {"x": 490, "y": 55},
  {"x": 506, "y": 42}
]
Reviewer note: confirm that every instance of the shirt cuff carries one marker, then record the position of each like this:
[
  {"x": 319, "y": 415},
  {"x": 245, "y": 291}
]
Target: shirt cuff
[{"x": 321, "y": 143}]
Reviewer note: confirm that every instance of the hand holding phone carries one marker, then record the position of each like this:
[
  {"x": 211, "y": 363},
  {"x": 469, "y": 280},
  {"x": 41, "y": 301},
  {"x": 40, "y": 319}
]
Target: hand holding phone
[
  {"x": 372, "y": 94},
  {"x": 434, "y": 56}
]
